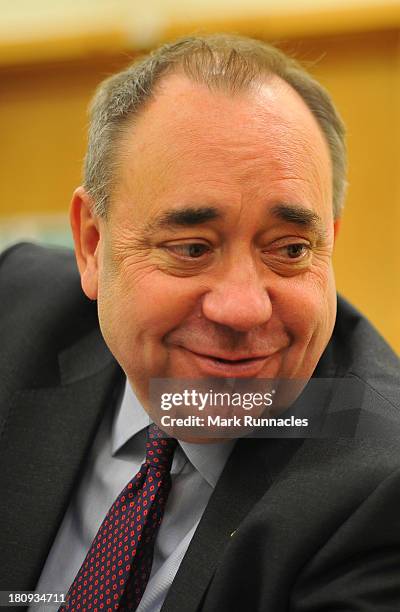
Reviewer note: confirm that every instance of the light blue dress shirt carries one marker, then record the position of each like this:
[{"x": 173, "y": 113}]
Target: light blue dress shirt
[{"x": 116, "y": 456}]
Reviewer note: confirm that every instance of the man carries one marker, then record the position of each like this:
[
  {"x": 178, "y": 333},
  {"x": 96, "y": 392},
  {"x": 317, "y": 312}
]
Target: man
[{"x": 204, "y": 232}]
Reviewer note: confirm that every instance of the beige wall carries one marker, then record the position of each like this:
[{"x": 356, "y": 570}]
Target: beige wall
[{"x": 45, "y": 87}]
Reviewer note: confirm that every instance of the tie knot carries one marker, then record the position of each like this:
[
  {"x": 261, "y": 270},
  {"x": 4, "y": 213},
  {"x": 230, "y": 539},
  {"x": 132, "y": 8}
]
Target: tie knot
[{"x": 159, "y": 448}]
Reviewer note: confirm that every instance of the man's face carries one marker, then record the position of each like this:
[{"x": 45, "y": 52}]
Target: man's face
[{"x": 215, "y": 259}]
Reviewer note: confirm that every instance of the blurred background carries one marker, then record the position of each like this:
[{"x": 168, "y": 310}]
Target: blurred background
[{"x": 54, "y": 52}]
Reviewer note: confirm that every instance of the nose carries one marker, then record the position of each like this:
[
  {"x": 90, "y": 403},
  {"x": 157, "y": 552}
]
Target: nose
[{"x": 239, "y": 299}]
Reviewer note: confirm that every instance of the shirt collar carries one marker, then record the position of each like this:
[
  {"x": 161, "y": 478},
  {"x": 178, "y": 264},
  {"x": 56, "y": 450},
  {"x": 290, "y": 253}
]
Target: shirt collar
[
  {"x": 208, "y": 459},
  {"x": 131, "y": 418}
]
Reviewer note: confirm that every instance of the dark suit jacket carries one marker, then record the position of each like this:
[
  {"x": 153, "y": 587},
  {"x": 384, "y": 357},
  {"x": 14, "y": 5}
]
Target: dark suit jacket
[{"x": 293, "y": 525}]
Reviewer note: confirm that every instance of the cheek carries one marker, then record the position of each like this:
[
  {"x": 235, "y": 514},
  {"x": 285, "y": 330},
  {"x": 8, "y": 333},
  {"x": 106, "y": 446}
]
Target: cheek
[
  {"x": 163, "y": 302},
  {"x": 308, "y": 316},
  {"x": 135, "y": 316},
  {"x": 144, "y": 309},
  {"x": 308, "y": 309}
]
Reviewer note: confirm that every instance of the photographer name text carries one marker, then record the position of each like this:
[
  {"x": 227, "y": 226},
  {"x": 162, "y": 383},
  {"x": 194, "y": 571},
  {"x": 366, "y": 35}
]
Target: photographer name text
[{"x": 234, "y": 421}]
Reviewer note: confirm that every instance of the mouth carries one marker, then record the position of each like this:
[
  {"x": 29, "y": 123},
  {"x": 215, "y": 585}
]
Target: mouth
[{"x": 228, "y": 366}]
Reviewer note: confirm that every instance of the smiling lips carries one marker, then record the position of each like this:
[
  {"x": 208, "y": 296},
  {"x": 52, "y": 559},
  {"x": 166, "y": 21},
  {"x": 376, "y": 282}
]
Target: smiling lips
[{"x": 229, "y": 365}]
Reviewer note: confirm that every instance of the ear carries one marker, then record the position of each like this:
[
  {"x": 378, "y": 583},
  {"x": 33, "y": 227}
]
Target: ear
[
  {"x": 85, "y": 230},
  {"x": 336, "y": 227}
]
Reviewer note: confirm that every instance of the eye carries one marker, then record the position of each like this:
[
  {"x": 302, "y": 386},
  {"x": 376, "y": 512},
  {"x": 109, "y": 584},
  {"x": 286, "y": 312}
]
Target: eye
[
  {"x": 296, "y": 251},
  {"x": 189, "y": 250},
  {"x": 286, "y": 257}
]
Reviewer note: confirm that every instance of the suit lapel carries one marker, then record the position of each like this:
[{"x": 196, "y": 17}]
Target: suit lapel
[
  {"x": 46, "y": 437},
  {"x": 250, "y": 471}
]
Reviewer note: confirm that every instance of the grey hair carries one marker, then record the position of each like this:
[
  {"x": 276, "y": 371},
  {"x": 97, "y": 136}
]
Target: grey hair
[{"x": 221, "y": 61}]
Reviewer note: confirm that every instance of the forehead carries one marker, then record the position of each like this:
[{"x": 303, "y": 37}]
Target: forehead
[{"x": 252, "y": 142}]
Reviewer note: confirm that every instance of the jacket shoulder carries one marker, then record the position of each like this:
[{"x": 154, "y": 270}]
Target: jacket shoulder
[
  {"x": 24, "y": 265},
  {"x": 361, "y": 352},
  {"x": 43, "y": 308}
]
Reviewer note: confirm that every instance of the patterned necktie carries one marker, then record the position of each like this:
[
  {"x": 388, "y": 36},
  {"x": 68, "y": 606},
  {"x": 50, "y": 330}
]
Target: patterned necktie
[{"x": 117, "y": 567}]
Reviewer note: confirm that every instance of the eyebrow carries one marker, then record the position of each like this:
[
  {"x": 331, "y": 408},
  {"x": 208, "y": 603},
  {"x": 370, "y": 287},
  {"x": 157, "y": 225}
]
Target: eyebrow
[
  {"x": 298, "y": 215},
  {"x": 198, "y": 215},
  {"x": 184, "y": 217}
]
